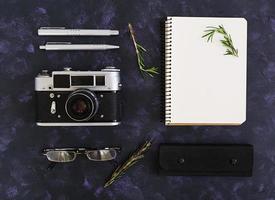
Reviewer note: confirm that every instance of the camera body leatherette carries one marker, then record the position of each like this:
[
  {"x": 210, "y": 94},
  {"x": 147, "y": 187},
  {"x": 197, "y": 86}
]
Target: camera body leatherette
[{"x": 206, "y": 160}]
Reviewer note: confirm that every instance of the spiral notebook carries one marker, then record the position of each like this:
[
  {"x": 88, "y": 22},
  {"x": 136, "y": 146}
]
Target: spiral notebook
[{"x": 204, "y": 86}]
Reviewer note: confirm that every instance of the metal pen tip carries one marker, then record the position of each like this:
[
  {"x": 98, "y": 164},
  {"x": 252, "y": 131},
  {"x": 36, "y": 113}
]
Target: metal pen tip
[
  {"x": 115, "y": 47},
  {"x": 42, "y": 47},
  {"x": 107, "y": 47},
  {"x": 114, "y": 32}
]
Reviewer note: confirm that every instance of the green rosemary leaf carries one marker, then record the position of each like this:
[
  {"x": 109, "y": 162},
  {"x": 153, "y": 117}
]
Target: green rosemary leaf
[
  {"x": 207, "y": 34},
  {"x": 141, "y": 58},
  {"x": 141, "y": 47},
  {"x": 210, "y": 37},
  {"x": 142, "y": 64},
  {"x": 211, "y": 27},
  {"x": 140, "y": 50},
  {"x": 226, "y": 41},
  {"x": 153, "y": 70},
  {"x": 228, "y": 52},
  {"x": 150, "y": 74}
]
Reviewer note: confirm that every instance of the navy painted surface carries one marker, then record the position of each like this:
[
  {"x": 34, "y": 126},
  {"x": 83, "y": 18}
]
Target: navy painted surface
[{"x": 23, "y": 173}]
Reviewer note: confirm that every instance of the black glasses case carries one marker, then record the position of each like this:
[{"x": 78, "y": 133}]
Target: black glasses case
[{"x": 206, "y": 160}]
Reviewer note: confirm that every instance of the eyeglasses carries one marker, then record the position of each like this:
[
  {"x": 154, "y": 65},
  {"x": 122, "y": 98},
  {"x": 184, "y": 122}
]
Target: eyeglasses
[{"x": 69, "y": 154}]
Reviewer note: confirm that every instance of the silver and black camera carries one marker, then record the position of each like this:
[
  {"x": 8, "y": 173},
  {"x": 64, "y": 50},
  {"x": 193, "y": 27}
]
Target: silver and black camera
[{"x": 78, "y": 98}]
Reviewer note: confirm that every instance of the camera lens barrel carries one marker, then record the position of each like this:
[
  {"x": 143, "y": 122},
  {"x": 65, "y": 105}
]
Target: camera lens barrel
[{"x": 81, "y": 105}]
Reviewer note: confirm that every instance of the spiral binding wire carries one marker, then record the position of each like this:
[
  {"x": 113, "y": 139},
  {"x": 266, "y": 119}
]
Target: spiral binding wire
[{"x": 168, "y": 57}]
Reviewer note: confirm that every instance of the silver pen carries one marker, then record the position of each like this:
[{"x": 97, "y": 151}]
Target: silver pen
[
  {"x": 70, "y": 46},
  {"x": 62, "y": 31}
]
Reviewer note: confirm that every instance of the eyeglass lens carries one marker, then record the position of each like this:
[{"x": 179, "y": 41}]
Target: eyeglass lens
[
  {"x": 61, "y": 156},
  {"x": 102, "y": 155}
]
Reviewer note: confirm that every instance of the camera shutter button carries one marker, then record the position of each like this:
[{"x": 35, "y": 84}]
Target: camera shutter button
[
  {"x": 44, "y": 73},
  {"x": 110, "y": 69},
  {"x": 67, "y": 68}
]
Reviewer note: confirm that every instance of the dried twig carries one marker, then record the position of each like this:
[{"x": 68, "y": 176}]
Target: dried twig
[{"x": 133, "y": 159}]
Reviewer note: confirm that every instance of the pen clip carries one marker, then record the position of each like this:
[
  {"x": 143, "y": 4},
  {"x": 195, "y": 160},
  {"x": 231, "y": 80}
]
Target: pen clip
[
  {"x": 52, "y": 27},
  {"x": 49, "y": 43}
]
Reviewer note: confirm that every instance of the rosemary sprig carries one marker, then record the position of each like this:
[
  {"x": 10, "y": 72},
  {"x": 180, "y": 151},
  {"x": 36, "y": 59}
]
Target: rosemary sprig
[
  {"x": 133, "y": 159},
  {"x": 226, "y": 41},
  {"x": 140, "y": 50}
]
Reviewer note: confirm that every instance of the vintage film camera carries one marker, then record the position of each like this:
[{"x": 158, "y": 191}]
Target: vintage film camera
[{"x": 78, "y": 98}]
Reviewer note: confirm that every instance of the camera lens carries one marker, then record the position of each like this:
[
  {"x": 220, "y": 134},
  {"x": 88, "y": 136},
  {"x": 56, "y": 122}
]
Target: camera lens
[{"x": 81, "y": 105}]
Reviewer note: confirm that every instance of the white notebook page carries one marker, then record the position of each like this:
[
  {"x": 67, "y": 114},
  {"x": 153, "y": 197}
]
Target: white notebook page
[{"x": 207, "y": 87}]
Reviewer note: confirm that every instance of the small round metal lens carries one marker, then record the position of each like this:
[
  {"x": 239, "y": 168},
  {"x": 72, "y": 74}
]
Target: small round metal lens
[
  {"x": 51, "y": 95},
  {"x": 181, "y": 161}
]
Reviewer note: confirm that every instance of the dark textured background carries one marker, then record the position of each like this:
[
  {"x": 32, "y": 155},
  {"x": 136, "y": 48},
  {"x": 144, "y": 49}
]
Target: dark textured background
[{"x": 23, "y": 173}]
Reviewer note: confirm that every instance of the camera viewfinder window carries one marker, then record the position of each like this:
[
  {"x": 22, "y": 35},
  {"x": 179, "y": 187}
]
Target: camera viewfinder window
[
  {"x": 82, "y": 80},
  {"x": 61, "y": 81},
  {"x": 100, "y": 80}
]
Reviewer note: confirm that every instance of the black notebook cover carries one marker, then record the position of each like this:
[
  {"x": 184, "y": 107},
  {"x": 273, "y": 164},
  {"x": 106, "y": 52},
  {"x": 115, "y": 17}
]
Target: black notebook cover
[{"x": 206, "y": 160}]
